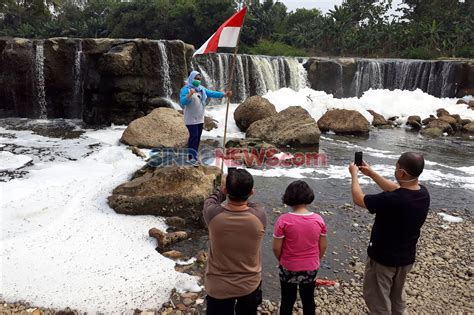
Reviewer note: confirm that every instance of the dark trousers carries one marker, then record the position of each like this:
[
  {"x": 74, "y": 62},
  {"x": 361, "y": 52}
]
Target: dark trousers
[
  {"x": 195, "y": 132},
  {"x": 244, "y": 305},
  {"x": 288, "y": 297}
]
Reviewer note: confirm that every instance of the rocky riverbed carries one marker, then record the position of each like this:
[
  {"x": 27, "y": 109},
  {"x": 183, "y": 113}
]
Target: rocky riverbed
[{"x": 441, "y": 280}]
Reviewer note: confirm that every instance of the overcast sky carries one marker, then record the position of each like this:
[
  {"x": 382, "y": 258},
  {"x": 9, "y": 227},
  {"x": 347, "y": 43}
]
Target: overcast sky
[{"x": 323, "y": 5}]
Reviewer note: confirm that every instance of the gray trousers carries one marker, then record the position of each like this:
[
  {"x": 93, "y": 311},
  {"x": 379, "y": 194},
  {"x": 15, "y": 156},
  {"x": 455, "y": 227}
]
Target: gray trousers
[{"x": 384, "y": 291}]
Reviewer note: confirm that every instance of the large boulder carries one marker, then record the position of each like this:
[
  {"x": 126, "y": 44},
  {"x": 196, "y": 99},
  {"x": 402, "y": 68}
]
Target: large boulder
[
  {"x": 163, "y": 128},
  {"x": 437, "y": 128},
  {"x": 379, "y": 120},
  {"x": 451, "y": 120},
  {"x": 253, "y": 109},
  {"x": 166, "y": 191},
  {"x": 292, "y": 126},
  {"x": 343, "y": 121}
]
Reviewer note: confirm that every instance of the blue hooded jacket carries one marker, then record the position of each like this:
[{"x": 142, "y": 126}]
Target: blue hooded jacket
[{"x": 205, "y": 93}]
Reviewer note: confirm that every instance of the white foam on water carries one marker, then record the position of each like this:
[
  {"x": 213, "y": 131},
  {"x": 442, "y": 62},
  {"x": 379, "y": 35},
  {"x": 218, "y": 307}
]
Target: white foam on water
[
  {"x": 62, "y": 245},
  {"x": 450, "y": 218},
  {"x": 385, "y": 102},
  {"x": 10, "y": 161}
]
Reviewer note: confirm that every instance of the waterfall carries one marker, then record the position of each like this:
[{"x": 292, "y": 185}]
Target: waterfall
[
  {"x": 78, "y": 93},
  {"x": 39, "y": 81},
  {"x": 254, "y": 75},
  {"x": 433, "y": 77},
  {"x": 165, "y": 70}
]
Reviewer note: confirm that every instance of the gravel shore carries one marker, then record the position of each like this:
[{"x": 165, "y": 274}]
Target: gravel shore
[{"x": 440, "y": 282}]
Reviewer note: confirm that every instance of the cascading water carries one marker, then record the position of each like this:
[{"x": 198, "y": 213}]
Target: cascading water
[
  {"x": 165, "y": 70},
  {"x": 78, "y": 93},
  {"x": 254, "y": 75},
  {"x": 434, "y": 77},
  {"x": 39, "y": 80}
]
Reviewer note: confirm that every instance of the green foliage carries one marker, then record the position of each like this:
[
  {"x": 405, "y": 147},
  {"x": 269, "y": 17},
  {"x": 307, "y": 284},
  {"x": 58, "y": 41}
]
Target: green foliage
[
  {"x": 420, "y": 53},
  {"x": 421, "y": 29},
  {"x": 266, "y": 47}
]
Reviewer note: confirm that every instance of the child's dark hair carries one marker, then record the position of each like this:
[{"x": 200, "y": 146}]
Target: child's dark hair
[
  {"x": 298, "y": 193},
  {"x": 239, "y": 184}
]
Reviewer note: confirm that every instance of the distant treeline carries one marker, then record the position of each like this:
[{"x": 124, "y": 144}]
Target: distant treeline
[{"x": 420, "y": 28}]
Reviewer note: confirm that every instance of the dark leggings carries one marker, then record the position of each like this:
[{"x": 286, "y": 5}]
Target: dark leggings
[
  {"x": 195, "y": 132},
  {"x": 245, "y": 305},
  {"x": 288, "y": 297}
]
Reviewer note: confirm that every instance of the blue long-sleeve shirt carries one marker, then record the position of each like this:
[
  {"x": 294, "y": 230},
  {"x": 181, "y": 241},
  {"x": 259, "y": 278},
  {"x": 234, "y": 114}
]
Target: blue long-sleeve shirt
[
  {"x": 194, "y": 107},
  {"x": 185, "y": 91}
]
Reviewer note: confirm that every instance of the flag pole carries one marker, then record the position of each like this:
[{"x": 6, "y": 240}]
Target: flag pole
[{"x": 229, "y": 88}]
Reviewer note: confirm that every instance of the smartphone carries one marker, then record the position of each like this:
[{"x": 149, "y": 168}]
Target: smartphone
[{"x": 358, "y": 158}]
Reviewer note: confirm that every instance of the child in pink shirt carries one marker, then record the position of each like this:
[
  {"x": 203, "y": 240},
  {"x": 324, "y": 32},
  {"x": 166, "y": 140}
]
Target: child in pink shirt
[{"x": 299, "y": 242}]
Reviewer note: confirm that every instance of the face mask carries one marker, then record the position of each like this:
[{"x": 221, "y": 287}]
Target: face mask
[
  {"x": 404, "y": 181},
  {"x": 196, "y": 83}
]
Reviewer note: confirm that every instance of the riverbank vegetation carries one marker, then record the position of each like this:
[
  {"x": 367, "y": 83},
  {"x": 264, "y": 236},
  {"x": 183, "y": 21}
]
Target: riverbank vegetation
[{"x": 424, "y": 29}]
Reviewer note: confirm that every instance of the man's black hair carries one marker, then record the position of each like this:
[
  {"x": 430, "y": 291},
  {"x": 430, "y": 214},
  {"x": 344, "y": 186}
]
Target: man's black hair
[
  {"x": 298, "y": 193},
  {"x": 412, "y": 162},
  {"x": 239, "y": 184}
]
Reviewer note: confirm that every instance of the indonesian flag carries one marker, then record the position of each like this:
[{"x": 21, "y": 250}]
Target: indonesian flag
[{"x": 226, "y": 36}]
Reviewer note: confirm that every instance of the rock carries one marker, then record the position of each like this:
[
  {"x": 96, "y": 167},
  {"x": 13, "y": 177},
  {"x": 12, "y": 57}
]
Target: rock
[
  {"x": 414, "y": 122},
  {"x": 464, "y": 121},
  {"x": 168, "y": 191},
  {"x": 293, "y": 126},
  {"x": 209, "y": 123},
  {"x": 471, "y": 104},
  {"x": 379, "y": 120},
  {"x": 167, "y": 239},
  {"x": 120, "y": 59},
  {"x": 201, "y": 257},
  {"x": 441, "y": 112},
  {"x": 176, "y": 222},
  {"x": 251, "y": 110},
  {"x": 137, "y": 152},
  {"x": 343, "y": 121},
  {"x": 468, "y": 127},
  {"x": 443, "y": 125},
  {"x": 461, "y": 102},
  {"x": 426, "y": 121},
  {"x": 432, "y": 132},
  {"x": 251, "y": 152},
  {"x": 332, "y": 75},
  {"x": 156, "y": 102},
  {"x": 188, "y": 301},
  {"x": 162, "y": 128},
  {"x": 173, "y": 254},
  {"x": 449, "y": 119}
]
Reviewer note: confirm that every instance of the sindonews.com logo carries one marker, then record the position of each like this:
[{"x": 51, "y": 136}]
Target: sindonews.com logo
[{"x": 232, "y": 157}]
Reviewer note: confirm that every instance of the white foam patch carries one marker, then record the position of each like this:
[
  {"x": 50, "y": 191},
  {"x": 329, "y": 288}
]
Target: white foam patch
[
  {"x": 10, "y": 161},
  {"x": 62, "y": 246},
  {"x": 385, "y": 102},
  {"x": 450, "y": 218},
  {"x": 110, "y": 135}
]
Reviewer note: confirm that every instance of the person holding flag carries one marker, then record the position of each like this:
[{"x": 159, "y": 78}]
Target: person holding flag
[
  {"x": 193, "y": 99},
  {"x": 193, "y": 96}
]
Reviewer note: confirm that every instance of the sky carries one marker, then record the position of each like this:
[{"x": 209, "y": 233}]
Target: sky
[{"x": 323, "y": 5}]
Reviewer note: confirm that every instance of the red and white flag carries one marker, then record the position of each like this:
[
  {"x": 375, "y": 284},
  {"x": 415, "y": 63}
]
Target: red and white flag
[{"x": 226, "y": 36}]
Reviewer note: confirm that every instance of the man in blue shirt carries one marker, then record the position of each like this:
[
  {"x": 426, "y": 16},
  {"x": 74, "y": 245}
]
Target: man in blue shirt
[{"x": 193, "y": 99}]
